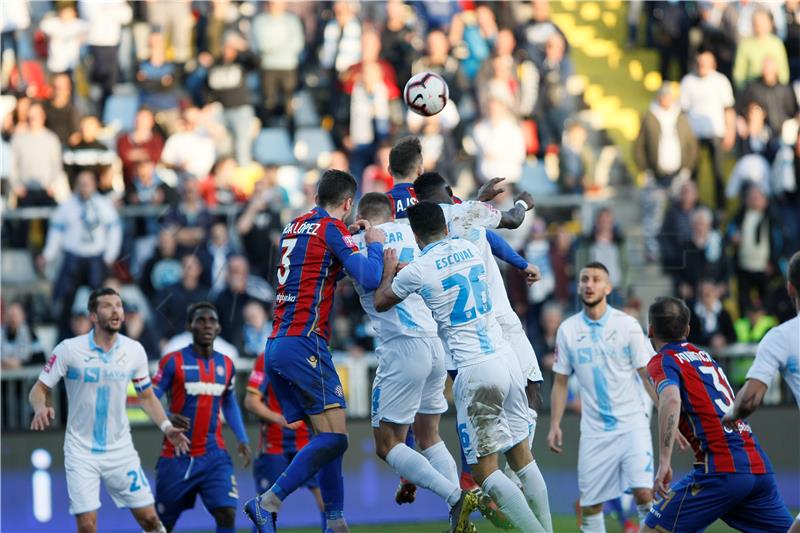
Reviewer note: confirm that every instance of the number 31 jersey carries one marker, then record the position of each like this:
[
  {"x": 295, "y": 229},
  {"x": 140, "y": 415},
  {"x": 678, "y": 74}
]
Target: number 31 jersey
[{"x": 451, "y": 278}]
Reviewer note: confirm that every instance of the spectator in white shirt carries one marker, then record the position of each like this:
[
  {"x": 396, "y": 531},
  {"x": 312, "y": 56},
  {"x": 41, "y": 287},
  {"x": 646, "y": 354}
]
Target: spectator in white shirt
[
  {"x": 707, "y": 99},
  {"x": 341, "y": 40},
  {"x": 65, "y": 34},
  {"x": 500, "y": 142},
  {"x": 36, "y": 153},
  {"x": 85, "y": 232},
  {"x": 191, "y": 150}
]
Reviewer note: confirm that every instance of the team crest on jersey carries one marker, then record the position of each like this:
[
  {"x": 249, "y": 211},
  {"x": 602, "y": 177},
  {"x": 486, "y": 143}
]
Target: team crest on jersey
[
  {"x": 220, "y": 371},
  {"x": 312, "y": 361},
  {"x": 50, "y": 362}
]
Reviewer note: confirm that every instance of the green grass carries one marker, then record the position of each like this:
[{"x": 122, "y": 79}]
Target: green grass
[{"x": 561, "y": 524}]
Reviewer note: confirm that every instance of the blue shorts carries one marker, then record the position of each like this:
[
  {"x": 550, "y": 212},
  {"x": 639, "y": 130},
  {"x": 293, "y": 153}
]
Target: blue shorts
[
  {"x": 746, "y": 502},
  {"x": 180, "y": 479},
  {"x": 301, "y": 372},
  {"x": 269, "y": 467}
]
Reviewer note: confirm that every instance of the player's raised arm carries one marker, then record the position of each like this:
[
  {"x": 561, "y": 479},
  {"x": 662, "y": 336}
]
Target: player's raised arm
[
  {"x": 385, "y": 297},
  {"x": 365, "y": 270},
  {"x": 513, "y": 218}
]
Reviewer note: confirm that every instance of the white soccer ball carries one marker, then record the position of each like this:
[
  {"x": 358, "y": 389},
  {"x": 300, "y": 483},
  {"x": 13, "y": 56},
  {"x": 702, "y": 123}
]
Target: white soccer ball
[{"x": 426, "y": 93}]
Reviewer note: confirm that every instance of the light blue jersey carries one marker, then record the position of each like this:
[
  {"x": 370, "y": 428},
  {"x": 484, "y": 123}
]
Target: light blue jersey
[{"x": 450, "y": 275}]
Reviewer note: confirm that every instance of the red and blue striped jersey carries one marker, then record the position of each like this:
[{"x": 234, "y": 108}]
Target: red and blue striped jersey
[
  {"x": 195, "y": 387},
  {"x": 274, "y": 439},
  {"x": 402, "y": 196},
  {"x": 706, "y": 396},
  {"x": 313, "y": 248}
]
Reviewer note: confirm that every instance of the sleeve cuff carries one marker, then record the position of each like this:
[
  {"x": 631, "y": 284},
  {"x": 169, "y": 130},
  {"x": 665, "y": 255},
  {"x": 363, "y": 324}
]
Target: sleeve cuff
[{"x": 665, "y": 383}]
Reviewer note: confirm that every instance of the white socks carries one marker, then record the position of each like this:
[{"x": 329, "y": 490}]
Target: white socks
[
  {"x": 512, "y": 502},
  {"x": 439, "y": 457},
  {"x": 270, "y": 502},
  {"x": 535, "y": 490},
  {"x": 593, "y": 523},
  {"x": 159, "y": 529},
  {"x": 643, "y": 510},
  {"x": 415, "y": 468}
]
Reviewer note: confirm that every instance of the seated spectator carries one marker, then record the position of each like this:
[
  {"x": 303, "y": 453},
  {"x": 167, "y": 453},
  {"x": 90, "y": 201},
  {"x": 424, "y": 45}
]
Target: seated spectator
[
  {"x": 399, "y": 38},
  {"x": 707, "y": 100},
  {"x": 88, "y": 153},
  {"x": 37, "y": 165},
  {"x": 555, "y": 104},
  {"x": 63, "y": 118},
  {"x": 279, "y": 39},
  {"x": 157, "y": 77},
  {"x": 665, "y": 150},
  {"x": 86, "y": 234},
  {"x": 704, "y": 255},
  {"x": 439, "y": 60},
  {"x": 226, "y": 83},
  {"x": 148, "y": 189},
  {"x": 214, "y": 255},
  {"x": 171, "y": 302},
  {"x": 606, "y": 244},
  {"x": 752, "y": 51},
  {"x": 65, "y": 35},
  {"x": 754, "y": 324},
  {"x": 572, "y": 158},
  {"x": 676, "y": 230},
  {"x": 710, "y": 324},
  {"x": 191, "y": 216},
  {"x": 144, "y": 143},
  {"x": 775, "y": 98},
  {"x": 755, "y": 135},
  {"x": 190, "y": 151},
  {"x": 259, "y": 225},
  {"x": 500, "y": 143},
  {"x": 163, "y": 268},
  {"x": 755, "y": 233},
  {"x": 18, "y": 344},
  {"x": 257, "y": 329}
]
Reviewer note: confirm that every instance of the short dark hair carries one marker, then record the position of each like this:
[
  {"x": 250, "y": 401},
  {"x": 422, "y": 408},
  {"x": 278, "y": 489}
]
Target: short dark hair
[
  {"x": 99, "y": 293},
  {"x": 598, "y": 265},
  {"x": 374, "y": 205},
  {"x": 428, "y": 184},
  {"x": 335, "y": 186},
  {"x": 405, "y": 157},
  {"x": 426, "y": 219},
  {"x": 669, "y": 318},
  {"x": 794, "y": 270},
  {"x": 194, "y": 308}
]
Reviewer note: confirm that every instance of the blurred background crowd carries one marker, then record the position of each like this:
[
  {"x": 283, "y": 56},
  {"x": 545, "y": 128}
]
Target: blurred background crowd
[{"x": 161, "y": 146}]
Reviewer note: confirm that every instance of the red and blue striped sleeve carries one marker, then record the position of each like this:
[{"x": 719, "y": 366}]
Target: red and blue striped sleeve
[
  {"x": 162, "y": 381},
  {"x": 256, "y": 383},
  {"x": 663, "y": 372}
]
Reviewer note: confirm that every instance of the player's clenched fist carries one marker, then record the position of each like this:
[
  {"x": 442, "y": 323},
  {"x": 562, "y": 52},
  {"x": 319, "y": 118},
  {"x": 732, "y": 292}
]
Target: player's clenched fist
[
  {"x": 390, "y": 261},
  {"x": 42, "y": 418},
  {"x": 555, "y": 439},
  {"x": 532, "y": 274},
  {"x": 374, "y": 235}
]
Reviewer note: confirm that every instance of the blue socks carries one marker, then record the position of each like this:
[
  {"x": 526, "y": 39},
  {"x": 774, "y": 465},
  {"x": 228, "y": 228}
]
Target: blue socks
[
  {"x": 331, "y": 485},
  {"x": 225, "y": 529},
  {"x": 321, "y": 450},
  {"x": 465, "y": 468}
]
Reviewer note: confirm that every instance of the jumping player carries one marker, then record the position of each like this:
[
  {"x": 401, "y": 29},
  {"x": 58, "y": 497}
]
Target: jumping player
[
  {"x": 732, "y": 477},
  {"x": 97, "y": 368},
  {"x": 199, "y": 383},
  {"x": 315, "y": 248},
  {"x": 279, "y": 441}
]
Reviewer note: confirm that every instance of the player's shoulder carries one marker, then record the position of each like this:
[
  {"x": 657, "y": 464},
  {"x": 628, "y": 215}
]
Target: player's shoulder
[
  {"x": 570, "y": 325},
  {"x": 785, "y": 333},
  {"x": 72, "y": 345},
  {"x": 622, "y": 318},
  {"x": 127, "y": 342}
]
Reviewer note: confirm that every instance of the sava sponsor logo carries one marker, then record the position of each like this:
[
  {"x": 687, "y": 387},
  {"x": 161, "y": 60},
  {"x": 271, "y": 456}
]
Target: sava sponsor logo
[
  {"x": 283, "y": 297},
  {"x": 301, "y": 228},
  {"x": 204, "y": 389}
]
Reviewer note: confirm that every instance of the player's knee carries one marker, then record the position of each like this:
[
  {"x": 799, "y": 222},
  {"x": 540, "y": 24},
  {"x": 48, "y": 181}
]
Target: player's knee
[
  {"x": 225, "y": 517},
  {"x": 593, "y": 509},
  {"x": 87, "y": 523},
  {"x": 150, "y": 522},
  {"x": 384, "y": 442}
]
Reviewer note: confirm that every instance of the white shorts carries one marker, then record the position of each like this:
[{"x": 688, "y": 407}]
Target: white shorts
[
  {"x": 520, "y": 346},
  {"x": 410, "y": 380},
  {"x": 608, "y": 465},
  {"x": 121, "y": 472},
  {"x": 491, "y": 408}
]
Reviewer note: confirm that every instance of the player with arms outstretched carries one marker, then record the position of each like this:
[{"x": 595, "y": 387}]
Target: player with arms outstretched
[
  {"x": 605, "y": 349},
  {"x": 97, "y": 368},
  {"x": 492, "y": 409},
  {"x": 199, "y": 383},
  {"x": 732, "y": 477},
  {"x": 315, "y": 248}
]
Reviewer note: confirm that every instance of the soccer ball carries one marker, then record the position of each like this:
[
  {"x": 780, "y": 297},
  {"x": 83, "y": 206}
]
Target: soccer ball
[{"x": 426, "y": 93}]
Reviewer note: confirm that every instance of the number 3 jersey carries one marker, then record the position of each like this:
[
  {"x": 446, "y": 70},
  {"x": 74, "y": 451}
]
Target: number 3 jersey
[
  {"x": 451, "y": 278},
  {"x": 410, "y": 318},
  {"x": 706, "y": 396},
  {"x": 97, "y": 384}
]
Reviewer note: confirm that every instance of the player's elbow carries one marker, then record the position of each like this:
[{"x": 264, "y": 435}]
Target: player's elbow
[
  {"x": 511, "y": 220},
  {"x": 381, "y": 302}
]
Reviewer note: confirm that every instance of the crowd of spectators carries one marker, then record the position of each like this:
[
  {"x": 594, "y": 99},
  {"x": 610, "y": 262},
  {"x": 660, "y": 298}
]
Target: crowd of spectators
[{"x": 143, "y": 124}]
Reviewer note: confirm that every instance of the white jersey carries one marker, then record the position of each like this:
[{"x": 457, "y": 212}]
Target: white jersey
[
  {"x": 779, "y": 352},
  {"x": 450, "y": 275},
  {"x": 605, "y": 355},
  {"x": 470, "y": 220},
  {"x": 411, "y": 318},
  {"x": 97, "y": 384}
]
